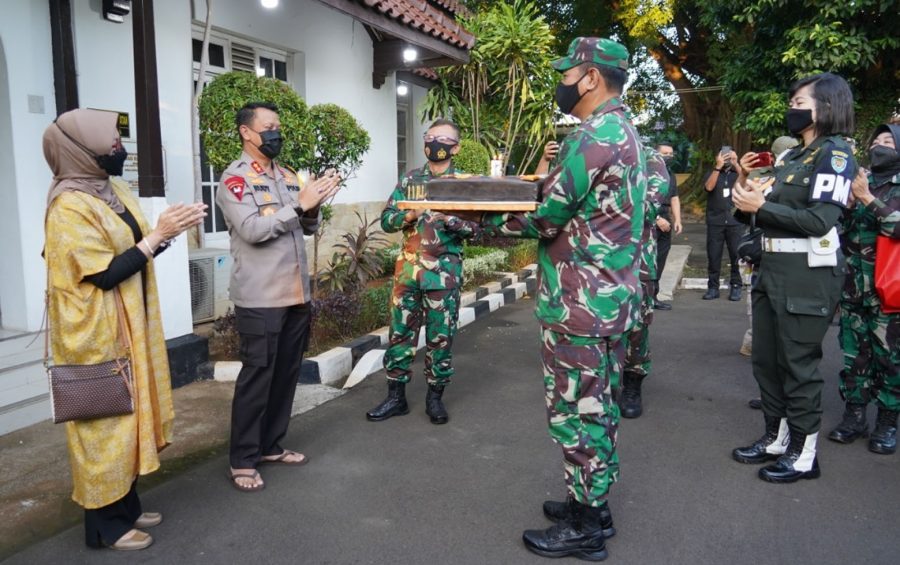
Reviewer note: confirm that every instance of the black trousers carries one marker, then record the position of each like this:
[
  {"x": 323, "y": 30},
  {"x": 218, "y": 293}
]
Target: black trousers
[
  {"x": 663, "y": 245},
  {"x": 716, "y": 238},
  {"x": 272, "y": 344},
  {"x": 104, "y": 526}
]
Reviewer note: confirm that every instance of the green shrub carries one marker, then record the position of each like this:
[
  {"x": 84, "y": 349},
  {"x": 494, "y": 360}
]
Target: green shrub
[
  {"x": 340, "y": 142},
  {"x": 227, "y": 93},
  {"x": 376, "y": 308},
  {"x": 473, "y": 158},
  {"x": 521, "y": 255},
  {"x": 388, "y": 256},
  {"x": 472, "y": 251},
  {"x": 483, "y": 265}
]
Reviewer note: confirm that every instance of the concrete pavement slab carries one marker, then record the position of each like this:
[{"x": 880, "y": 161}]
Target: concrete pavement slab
[{"x": 404, "y": 491}]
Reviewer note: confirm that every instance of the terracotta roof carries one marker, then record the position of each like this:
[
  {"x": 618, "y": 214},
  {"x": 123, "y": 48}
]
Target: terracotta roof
[
  {"x": 453, "y": 6},
  {"x": 426, "y": 72},
  {"x": 427, "y": 18}
]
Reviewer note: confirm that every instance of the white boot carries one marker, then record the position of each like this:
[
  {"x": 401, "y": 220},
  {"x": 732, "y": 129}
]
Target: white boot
[{"x": 798, "y": 462}]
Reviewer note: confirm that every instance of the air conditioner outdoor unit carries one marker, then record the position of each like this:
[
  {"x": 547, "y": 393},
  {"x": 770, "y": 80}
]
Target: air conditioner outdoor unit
[{"x": 210, "y": 271}]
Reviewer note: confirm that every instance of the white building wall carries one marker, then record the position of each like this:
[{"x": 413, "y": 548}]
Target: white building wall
[
  {"x": 105, "y": 61},
  {"x": 335, "y": 57},
  {"x": 338, "y": 58},
  {"x": 25, "y": 47}
]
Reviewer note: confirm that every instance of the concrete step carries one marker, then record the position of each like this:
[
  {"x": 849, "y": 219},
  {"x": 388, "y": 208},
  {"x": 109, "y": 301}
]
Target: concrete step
[
  {"x": 24, "y": 396},
  {"x": 21, "y": 348}
]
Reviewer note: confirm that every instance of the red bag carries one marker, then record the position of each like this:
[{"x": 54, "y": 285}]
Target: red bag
[{"x": 887, "y": 273}]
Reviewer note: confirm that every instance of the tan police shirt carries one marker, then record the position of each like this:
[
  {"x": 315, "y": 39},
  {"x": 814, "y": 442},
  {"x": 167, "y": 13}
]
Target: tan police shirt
[{"x": 270, "y": 266}]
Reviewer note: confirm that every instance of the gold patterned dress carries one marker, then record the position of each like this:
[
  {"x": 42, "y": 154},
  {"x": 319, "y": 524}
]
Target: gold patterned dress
[{"x": 83, "y": 236}]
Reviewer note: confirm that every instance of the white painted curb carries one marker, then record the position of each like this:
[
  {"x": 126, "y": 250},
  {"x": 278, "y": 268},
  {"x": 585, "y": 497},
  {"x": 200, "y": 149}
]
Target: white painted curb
[
  {"x": 369, "y": 363},
  {"x": 334, "y": 365}
]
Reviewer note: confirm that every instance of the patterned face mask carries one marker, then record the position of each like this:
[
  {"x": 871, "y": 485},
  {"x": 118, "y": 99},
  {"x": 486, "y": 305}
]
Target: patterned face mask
[{"x": 437, "y": 151}]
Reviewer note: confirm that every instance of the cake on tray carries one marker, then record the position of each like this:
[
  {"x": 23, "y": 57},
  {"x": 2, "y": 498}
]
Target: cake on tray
[{"x": 483, "y": 189}]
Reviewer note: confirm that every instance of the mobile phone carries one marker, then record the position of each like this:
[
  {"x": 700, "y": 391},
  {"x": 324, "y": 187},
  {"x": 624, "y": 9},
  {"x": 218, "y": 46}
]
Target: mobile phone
[
  {"x": 764, "y": 159},
  {"x": 725, "y": 150}
]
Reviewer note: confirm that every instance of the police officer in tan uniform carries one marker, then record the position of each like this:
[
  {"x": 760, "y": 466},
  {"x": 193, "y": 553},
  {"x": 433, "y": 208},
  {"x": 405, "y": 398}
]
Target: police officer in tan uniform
[{"x": 268, "y": 210}]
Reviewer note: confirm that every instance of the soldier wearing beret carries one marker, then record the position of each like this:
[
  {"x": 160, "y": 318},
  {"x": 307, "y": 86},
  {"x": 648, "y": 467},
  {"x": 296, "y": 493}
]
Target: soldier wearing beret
[
  {"x": 268, "y": 209},
  {"x": 589, "y": 227}
]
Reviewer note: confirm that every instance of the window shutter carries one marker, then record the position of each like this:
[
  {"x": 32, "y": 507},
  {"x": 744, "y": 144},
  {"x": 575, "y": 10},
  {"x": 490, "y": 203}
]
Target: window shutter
[{"x": 243, "y": 58}]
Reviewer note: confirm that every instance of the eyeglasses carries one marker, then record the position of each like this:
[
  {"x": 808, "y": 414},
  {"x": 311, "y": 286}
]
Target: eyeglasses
[{"x": 441, "y": 138}]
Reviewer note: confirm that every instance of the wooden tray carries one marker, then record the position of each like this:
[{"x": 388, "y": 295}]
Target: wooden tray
[{"x": 446, "y": 205}]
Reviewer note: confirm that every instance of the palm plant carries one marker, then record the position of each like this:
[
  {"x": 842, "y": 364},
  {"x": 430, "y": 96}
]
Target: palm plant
[{"x": 503, "y": 98}]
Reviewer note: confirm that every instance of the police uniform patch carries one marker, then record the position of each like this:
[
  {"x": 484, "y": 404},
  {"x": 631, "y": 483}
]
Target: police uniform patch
[
  {"x": 257, "y": 167},
  {"x": 235, "y": 186},
  {"x": 267, "y": 197},
  {"x": 839, "y": 164},
  {"x": 267, "y": 210},
  {"x": 292, "y": 187}
]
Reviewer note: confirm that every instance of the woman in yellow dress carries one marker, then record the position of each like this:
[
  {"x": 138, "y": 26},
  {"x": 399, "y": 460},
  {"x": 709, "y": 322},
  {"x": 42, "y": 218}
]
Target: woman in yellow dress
[{"x": 97, "y": 243}]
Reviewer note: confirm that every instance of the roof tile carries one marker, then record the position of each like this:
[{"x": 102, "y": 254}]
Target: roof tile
[{"x": 428, "y": 17}]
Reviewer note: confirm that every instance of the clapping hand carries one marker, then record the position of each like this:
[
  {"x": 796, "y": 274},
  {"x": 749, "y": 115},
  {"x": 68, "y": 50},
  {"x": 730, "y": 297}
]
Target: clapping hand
[
  {"x": 177, "y": 218},
  {"x": 748, "y": 197},
  {"x": 860, "y": 188},
  {"x": 319, "y": 189}
]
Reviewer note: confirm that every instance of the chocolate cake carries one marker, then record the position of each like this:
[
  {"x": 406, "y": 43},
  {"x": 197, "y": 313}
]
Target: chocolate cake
[{"x": 482, "y": 189}]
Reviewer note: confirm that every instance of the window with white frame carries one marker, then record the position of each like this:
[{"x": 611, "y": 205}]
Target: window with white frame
[{"x": 227, "y": 53}]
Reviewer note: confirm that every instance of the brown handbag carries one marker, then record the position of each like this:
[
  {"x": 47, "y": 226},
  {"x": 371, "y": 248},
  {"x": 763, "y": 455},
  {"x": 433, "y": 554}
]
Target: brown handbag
[{"x": 87, "y": 392}]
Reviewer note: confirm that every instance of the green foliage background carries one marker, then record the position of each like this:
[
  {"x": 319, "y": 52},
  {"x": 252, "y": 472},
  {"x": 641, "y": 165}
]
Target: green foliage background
[
  {"x": 339, "y": 140},
  {"x": 503, "y": 98},
  {"x": 473, "y": 158},
  {"x": 227, "y": 93}
]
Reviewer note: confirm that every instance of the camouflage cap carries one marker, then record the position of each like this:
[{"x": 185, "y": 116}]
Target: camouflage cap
[{"x": 593, "y": 50}]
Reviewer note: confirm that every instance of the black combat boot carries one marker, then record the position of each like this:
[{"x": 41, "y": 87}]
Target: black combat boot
[
  {"x": 630, "y": 404},
  {"x": 393, "y": 405},
  {"x": 798, "y": 462},
  {"x": 884, "y": 438},
  {"x": 711, "y": 294},
  {"x": 735, "y": 293},
  {"x": 579, "y": 535},
  {"x": 767, "y": 448},
  {"x": 434, "y": 406},
  {"x": 558, "y": 511},
  {"x": 853, "y": 426}
]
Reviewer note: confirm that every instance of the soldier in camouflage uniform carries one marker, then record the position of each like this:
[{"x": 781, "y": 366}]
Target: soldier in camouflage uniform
[
  {"x": 427, "y": 279},
  {"x": 870, "y": 338},
  {"x": 589, "y": 224},
  {"x": 637, "y": 355}
]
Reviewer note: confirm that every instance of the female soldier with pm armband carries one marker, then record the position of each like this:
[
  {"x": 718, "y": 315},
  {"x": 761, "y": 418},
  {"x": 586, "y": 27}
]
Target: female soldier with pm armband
[{"x": 801, "y": 274}]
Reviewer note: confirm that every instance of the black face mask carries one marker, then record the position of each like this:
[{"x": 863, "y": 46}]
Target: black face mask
[
  {"x": 437, "y": 151},
  {"x": 798, "y": 120},
  {"x": 271, "y": 142},
  {"x": 114, "y": 163},
  {"x": 882, "y": 158},
  {"x": 567, "y": 96}
]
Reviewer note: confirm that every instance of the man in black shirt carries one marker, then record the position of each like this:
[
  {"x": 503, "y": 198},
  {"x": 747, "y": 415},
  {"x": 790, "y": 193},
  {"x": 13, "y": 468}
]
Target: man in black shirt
[
  {"x": 721, "y": 227},
  {"x": 668, "y": 221}
]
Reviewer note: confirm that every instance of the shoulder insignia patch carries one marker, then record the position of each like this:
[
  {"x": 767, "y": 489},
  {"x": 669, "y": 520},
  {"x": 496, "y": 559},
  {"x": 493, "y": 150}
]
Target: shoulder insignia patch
[
  {"x": 839, "y": 164},
  {"x": 839, "y": 153},
  {"x": 257, "y": 168},
  {"x": 235, "y": 186}
]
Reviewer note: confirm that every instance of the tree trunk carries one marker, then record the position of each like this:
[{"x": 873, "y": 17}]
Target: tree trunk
[
  {"x": 708, "y": 123},
  {"x": 198, "y": 232}
]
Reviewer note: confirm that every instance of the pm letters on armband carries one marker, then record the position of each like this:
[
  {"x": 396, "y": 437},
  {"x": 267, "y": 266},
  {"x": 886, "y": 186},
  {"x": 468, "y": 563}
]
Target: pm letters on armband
[{"x": 831, "y": 188}]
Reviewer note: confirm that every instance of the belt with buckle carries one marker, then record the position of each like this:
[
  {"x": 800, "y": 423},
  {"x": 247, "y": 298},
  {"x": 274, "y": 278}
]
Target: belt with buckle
[{"x": 785, "y": 244}]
